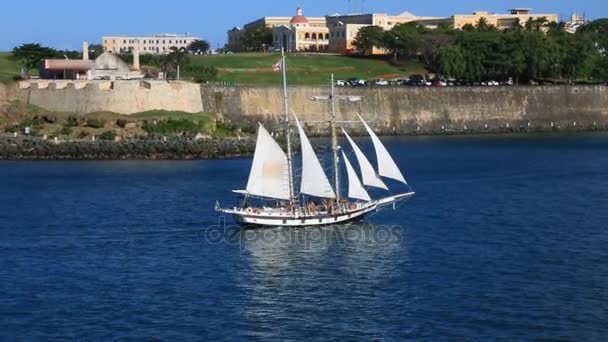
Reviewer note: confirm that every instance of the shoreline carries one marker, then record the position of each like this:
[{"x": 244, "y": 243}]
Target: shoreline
[{"x": 23, "y": 148}]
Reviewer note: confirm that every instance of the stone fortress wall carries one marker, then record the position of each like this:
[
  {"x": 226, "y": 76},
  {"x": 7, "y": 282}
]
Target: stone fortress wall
[
  {"x": 390, "y": 109},
  {"x": 124, "y": 97}
]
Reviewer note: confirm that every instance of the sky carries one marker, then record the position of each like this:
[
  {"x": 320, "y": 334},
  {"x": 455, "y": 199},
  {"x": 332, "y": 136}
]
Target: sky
[{"x": 64, "y": 24}]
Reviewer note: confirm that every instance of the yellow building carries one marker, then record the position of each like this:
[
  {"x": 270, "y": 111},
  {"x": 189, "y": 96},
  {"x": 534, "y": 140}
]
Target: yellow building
[
  {"x": 500, "y": 21},
  {"x": 343, "y": 29},
  {"x": 336, "y": 33},
  {"x": 301, "y": 35},
  {"x": 235, "y": 34}
]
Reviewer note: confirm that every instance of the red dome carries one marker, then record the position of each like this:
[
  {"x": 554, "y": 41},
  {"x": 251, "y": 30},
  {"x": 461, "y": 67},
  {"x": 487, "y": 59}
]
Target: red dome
[{"x": 299, "y": 18}]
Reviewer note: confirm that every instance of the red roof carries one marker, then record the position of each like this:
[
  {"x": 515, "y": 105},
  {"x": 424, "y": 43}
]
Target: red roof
[
  {"x": 67, "y": 64},
  {"x": 299, "y": 18}
]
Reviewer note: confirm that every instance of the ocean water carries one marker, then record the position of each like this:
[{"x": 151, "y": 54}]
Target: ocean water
[{"x": 506, "y": 239}]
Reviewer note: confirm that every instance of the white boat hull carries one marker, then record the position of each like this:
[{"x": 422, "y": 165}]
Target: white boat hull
[{"x": 271, "y": 218}]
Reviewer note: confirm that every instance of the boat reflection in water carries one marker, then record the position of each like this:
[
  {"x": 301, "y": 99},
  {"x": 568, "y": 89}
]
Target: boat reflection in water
[{"x": 296, "y": 273}]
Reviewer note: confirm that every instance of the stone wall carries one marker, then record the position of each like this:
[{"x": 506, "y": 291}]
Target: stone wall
[
  {"x": 125, "y": 97},
  {"x": 390, "y": 109},
  {"x": 403, "y": 109}
]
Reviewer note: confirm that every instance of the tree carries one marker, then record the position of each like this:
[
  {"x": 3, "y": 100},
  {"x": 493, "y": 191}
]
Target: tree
[
  {"x": 402, "y": 39},
  {"x": 178, "y": 57},
  {"x": 30, "y": 55},
  {"x": 536, "y": 25},
  {"x": 206, "y": 74},
  {"x": 482, "y": 25},
  {"x": 368, "y": 38},
  {"x": 198, "y": 47},
  {"x": 95, "y": 50},
  {"x": 257, "y": 38},
  {"x": 597, "y": 30},
  {"x": 452, "y": 62},
  {"x": 429, "y": 44},
  {"x": 164, "y": 63}
]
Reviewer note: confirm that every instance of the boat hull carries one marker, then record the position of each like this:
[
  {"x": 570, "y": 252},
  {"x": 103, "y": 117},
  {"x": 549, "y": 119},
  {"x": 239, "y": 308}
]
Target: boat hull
[
  {"x": 305, "y": 221},
  {"x": 264, "y": 219}
]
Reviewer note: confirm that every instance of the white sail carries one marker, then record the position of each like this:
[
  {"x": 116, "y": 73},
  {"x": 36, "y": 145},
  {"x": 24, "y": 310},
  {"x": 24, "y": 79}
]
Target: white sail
[
  {"x": 386, "y": 164},
  {"x": 368, "y": 174},
  {"x": 355, "y": 188},
  {"x": 314, "y": 180},
  {"x": 269, "y": 176}
]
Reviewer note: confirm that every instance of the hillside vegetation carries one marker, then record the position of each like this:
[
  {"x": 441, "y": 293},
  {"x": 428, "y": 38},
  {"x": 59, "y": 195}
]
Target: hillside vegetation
[
  {"x": 8, "y": 67},
  {"x": 303, "y": 69},
  {"x": 256, "y": 68},
  {"x": 15, "y": 116}
]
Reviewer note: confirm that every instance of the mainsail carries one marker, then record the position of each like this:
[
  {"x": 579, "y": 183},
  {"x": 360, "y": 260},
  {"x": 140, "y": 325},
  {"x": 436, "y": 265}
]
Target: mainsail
[
  {"x": 386, "y": 164},
  {"x": 355, "y": 188},
  {"x": 269, "y": 176},
  {"x": 314, "y": 180},
  {"x": 368, "y": 174}
]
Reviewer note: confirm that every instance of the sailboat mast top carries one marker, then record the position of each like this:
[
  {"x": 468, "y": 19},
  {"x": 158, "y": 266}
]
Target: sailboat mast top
[
  {"x": 288, "y": 128},
  {"x": 334, "y": 140}
]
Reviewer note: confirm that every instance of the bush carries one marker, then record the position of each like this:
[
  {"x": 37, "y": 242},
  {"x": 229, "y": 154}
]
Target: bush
[
  {"x": 72, "y": 121},
  {"x": 122, "y": 123},
  {"x": 171, "y": 126},
  {"x": 108, "y": 135},
  {"x": 94, "y": 123},
  {"x": 66, "y": 130},
  {"x": 35, "y": 121},
  {"x": 83, "y": 134},
  {"x": 11, "y": 129},
  {"x": 206, "y": 74}
]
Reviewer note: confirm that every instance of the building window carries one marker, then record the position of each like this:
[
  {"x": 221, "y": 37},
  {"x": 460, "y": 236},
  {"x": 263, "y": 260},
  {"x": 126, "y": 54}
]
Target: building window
[{"x": 125, "y": 42}]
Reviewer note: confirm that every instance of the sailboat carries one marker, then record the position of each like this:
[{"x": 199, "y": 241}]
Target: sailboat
[{"x": 271, "y": 198}]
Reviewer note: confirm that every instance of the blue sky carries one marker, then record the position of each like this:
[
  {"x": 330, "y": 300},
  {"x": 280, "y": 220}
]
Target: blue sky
[{"x": 65, "y": 24}]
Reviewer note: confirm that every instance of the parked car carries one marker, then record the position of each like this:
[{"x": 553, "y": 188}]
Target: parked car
[
  {"x": 357, "y": 82},
  {"x": 402, "y": 81},
  {"x": 381, "y": 83},
  {"x": 340, "y": 83}
]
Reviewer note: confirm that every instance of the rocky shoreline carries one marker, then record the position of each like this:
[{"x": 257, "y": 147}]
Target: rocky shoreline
[
  {"x": 171, "y": 148},
  {"x": 180, "y": 148}
]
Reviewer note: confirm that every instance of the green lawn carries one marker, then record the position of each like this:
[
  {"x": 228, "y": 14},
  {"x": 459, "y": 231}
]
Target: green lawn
[
  {"x": 8, "y": 67},
  {"x": 255, "y": 68}
]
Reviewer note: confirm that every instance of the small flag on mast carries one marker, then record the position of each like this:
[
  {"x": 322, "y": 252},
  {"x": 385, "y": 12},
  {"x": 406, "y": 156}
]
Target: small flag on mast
[{"x": 278, "y": 66}]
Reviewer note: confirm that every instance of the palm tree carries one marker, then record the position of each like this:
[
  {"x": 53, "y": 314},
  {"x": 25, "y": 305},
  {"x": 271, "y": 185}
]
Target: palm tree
[{"x": 178, "y": 57}]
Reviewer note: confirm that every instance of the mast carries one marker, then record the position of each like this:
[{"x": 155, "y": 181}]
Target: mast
[
  {"x": 288, "y": 128},
  {"x": 334, "y": 141}
]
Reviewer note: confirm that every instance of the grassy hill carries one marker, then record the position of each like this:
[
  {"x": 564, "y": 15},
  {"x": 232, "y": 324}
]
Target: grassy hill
[
  {"x": 256, "y": 68},
  {"x": 8, "y": 67}
]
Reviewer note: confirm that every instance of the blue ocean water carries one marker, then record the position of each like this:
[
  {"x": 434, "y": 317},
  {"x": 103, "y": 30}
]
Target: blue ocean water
[{"x": 506, "y": 239}]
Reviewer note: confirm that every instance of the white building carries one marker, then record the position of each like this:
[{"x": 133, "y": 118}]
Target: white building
[{"x": 156, "y": 44}]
